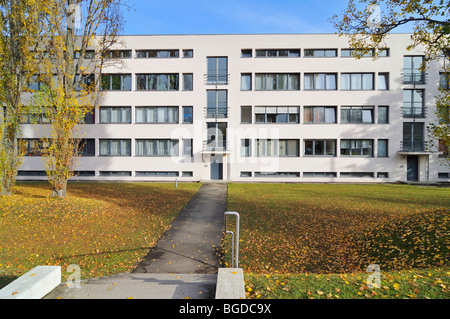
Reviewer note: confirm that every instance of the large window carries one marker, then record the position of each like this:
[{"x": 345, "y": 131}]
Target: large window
[
  {"x": 277, "y": 114},
  {"x": 320, "y": 147},
  {"x": 86, "y": 147},
  {"x": 321, "y": 53},
  {"x": 382, "y": 148},
  {"x": 115, "y": 147},
  {"x": 217, "y": 105},
  {"x": 357, "y": 148},
  {"x": 413, "y": 137},
  {"x": 246, "y": 114},
  {"x": 357, "y": 114},
  {"x": 277, "y": 148},
  {"x": 217, "y": 70},
  {"x": 412, "y": 73},
  {"x": 413, "y": 103},
  {"x": 320, "y": 114},
  {"x": 383, "y": 114},
  {"x": 157, "y": 82},
  {"x": 116, "y": 82},
  {"x": 34, "y": 147},
  {"x": 157, "y": 114},
  {"x": 277, "y": 81},
  {"x": 154, "y": 147},
  {"x": 278, "y": 53},
  {"x": 357, "y": 81},
  {"x": 115, "y": 114},
  {"x": 320, "y": 81}
]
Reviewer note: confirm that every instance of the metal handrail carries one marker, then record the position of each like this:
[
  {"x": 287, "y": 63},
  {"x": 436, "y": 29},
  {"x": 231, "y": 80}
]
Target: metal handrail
[{"x": 234, "y": 240}]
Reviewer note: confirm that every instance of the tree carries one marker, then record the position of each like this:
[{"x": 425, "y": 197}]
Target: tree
[
  {"x": 369, "y": 23},
  {"x": 74, "y": 55},
  {"x": 20, "y": 35}
]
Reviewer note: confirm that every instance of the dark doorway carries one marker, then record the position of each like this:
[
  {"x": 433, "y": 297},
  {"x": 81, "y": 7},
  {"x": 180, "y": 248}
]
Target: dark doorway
[
  {"x": 412, "y": 168},
  {"x": 216, "y": 167}
]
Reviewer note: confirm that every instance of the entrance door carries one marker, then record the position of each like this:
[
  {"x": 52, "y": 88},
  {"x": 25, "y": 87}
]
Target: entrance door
[
  {"x": 412, "y": 168},
  {"x": 216, "y": 167}
]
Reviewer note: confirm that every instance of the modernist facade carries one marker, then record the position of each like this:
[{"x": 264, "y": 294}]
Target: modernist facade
[{"x": 281, "y": 108}]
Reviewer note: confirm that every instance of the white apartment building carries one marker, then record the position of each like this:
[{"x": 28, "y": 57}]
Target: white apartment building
[{"x": 277, "y": 108}]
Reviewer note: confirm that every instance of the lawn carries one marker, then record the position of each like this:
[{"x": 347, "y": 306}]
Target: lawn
[
  {"x": 323, "y": 229},
  {"x": 105, "y": 228}
]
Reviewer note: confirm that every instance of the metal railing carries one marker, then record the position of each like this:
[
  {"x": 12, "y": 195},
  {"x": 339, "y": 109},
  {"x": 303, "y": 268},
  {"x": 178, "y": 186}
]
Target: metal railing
[
  {"x": 217, "y": 79},
  {"x": 216, "y": 145},
  {"x": 415, "y": 78},
  {"x": 412, "y": 146},
  {"x": 216, "y": 112},
  {"x": 414, "y": 112},
  {"x": 234, "y": 239}
]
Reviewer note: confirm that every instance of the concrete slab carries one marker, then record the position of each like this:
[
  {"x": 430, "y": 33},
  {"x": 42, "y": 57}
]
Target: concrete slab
[
  {"x": 141, "y": 286},
  {"x": 230, "y": 284},
  {"x": 35, "y": 284}
]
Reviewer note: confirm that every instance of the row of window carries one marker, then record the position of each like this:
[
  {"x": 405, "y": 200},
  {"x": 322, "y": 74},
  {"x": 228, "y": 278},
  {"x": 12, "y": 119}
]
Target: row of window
[
  {"x": 315, "y": 114},
  {"x": 314, "y": 81},
  {"x": 315, "y": 174},
  {"x": 35, "y": 173},
  {"x": 316, "y": 53},
  {"x": 263, "y": 147}
]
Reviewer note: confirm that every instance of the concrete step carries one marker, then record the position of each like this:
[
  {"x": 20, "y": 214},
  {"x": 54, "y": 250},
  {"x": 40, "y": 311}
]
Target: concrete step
[{"x": 141, "y": 286}]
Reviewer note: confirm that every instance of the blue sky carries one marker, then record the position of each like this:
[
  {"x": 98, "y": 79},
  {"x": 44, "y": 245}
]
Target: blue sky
[{"x": 231, "y": 16}]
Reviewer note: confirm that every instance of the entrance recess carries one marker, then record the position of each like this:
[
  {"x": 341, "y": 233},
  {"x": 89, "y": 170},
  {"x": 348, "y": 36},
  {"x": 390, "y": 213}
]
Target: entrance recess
[{"x": 216, "y": 167}]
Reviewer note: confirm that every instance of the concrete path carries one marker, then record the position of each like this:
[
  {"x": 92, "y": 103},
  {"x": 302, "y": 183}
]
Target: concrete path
[{"x": 184, "y": 262}]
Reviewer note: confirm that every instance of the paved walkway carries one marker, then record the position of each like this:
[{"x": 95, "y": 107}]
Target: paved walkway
[{"x": 184, "y": 262}]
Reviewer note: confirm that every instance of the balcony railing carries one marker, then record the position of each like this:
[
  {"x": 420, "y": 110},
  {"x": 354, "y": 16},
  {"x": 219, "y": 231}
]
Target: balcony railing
[
  {"x": 416, "y": 112},
  {"x": 415, "y": 78},
  {"x": 216, "y": 112},
  {"x": 217, "y": 79},
  {"x": 412, "y": 146},
  {"x": 216, "y": 146}
]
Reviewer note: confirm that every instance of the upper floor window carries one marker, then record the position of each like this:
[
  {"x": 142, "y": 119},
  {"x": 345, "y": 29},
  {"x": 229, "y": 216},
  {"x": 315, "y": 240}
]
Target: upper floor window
[
  {"x": 275, "y": 147},
  {"x": 115, "y": 147},
  {"x": 412, "y": 70},
  {"x": 321, "y": 53},
  {"x": 413, "y": 103},
  {"x": 153, "y": 147},
  {"x": 320, "y": 81},
  {"x": 117, "y": 54},
  {"x": 116, "y": 82},
  {"x": 217, "y": 104},
  {"x": 246, "y": 53},
  {"x": 278, "y": 53},
  {"x": 277, "y": 114},
  {"x": 217, "y": 70},
  {"x": 115, "y": 114},
  {"x": 357, "y": 81},
  {"x": 157, "y": 53},
  {"x": 188, "y": 53},
  {"x": 357, "y": 114},
  {"x": 444, "y": 80},
  {"x": 383, "y": 52},
  {"x": 277, "y": 81},
  {"x": 157, "y": 82},
  {"x": 320, "y": 114},
  {"x": 88, "y": 54},
  {"x": 157, "y": 114}
]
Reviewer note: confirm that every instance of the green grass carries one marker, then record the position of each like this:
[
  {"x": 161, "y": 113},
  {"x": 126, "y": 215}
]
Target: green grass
[
  {"x": 105, "y": 228},
  {"x": 293, "y": 229}
]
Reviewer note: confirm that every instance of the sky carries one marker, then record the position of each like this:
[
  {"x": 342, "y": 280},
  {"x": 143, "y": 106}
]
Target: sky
[{"x": 231, "y": 16}]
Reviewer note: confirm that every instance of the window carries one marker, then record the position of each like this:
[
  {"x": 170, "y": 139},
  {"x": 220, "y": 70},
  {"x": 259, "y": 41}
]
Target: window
[
  {"x": 31, "y": 173},
  {"x": 157, "y": 174},
  {"x": 320, "y": 81},
  {"x": 87, "y": 82},
  {"x": 188, "y": 116},
  {"x": 246, "y": 53},
  {"x": 277, "y": 81},
  {"x": 34, "y": 147},
  {"x": 444, "y": 80},
  {"x": 277, "y": 174},
  {"x": 281, "y": 53},
  {"x": 34, "y": 118},
  {"x": 187, "y": 174},
  {"x": 188, "y": 53},
  {"x": 357, "y": 114},
  {"x": 157, "y": 53},
  {"x": 157, "y": 82},
  {"x": 413, "y": 137},
  {"x": 346, "y": 53},
  {"x": 245, "y": 148},
  {"x": 217, "y": 105},
  {"x": 320, "y": 114},
  {"x": 188, "y": 82},
  {"x": 356, "y": 174},
  {"x": 246, "y": 82},
  {"x": 413, "y": 103},
  {"x": 216, "y": 136},
  {"x": 217, "y": 70},
  {"x": 383, "y": 81},
  {"x": 113, "y": 115},
  {"x": 382, "y": 175},
  {"x": 281, "y": 148},
  {"x": 89, "y": 118},
  {"x": 117, "y": 54},
  {"x": 87, "y": 147},
  {"x": 277, "y": 114},
  {"x": 115, "y": 147},
  {"x": 382, "y": 148},
  {"x": 246, "y": 174},
  {"x": 187, "y": 147},
  {"x": 114, "y": 173},
  {"x": 116, "y": 82},
  {"x": 157, "y": 114},
  {"x": 246, "y": 114},
  {"x": 357, "y": 148},
  {"x": 156, "y": 147},
  {"x": 320, "y": 147},
  {"x": 383, "y": 114},
  {"x": 88, "y": 54},
  {"x": 319, "y": 174},
  {"x": 412, "y": 73},
  {"x": 321, "y": 53},
  {"x": 357, "y": 81}
]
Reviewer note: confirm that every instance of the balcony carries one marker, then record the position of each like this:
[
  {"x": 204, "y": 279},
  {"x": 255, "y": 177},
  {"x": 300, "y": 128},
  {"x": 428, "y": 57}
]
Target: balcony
[
  {"x": 414, "y": 78},
  {"x": 413, "y": 147},
  {"x": 414, "y": 112},
  {"x": 216, "y": 146},
  {"x": 217, "y": 79},
  {"x": 216, "y": 112}
]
